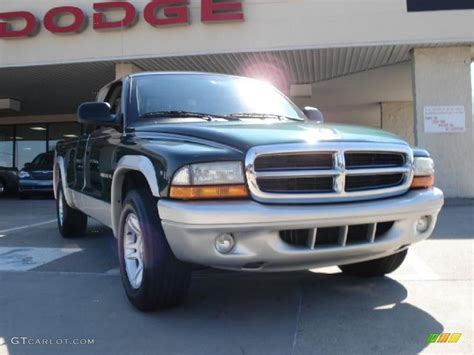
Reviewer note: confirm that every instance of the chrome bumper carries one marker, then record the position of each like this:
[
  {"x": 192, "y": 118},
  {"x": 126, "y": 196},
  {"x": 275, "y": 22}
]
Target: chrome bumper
[{"x": 192, "y": 227}]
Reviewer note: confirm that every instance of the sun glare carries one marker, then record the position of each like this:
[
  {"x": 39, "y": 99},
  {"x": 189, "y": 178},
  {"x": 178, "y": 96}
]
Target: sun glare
[{"x": 259, "y": 95}]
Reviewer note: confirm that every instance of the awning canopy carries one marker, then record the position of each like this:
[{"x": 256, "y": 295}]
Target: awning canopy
[{"x": 60, "y": 88}]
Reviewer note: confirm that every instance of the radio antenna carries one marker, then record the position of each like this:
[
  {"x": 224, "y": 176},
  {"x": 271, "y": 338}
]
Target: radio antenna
[{"x": 122, "y": 42}]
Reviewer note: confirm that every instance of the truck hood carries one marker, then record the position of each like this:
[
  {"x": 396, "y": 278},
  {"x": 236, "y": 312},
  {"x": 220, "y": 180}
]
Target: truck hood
[{"x": 244, "y": 135}]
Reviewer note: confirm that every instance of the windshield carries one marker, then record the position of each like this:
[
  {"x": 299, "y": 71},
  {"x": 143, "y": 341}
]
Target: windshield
[
  {"x": 45, "y": 160},
  {"x": 216, "y": 95}
]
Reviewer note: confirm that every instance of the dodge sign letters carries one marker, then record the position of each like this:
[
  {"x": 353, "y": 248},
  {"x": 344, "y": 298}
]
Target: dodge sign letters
[{"x": 156, "y": 13}]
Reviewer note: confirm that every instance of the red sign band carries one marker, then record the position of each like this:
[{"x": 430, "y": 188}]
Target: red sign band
[{"x": 157, "y": 13}]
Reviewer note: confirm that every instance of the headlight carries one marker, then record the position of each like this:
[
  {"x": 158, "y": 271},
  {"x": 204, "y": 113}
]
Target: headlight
[
  {"x": 424, "y": 173},
  {"x": 23, "y": 174},
  {"x": 209, "y": 181},
  {"x": 210, "y": 174},
  {"x": 424, "y": 167}
]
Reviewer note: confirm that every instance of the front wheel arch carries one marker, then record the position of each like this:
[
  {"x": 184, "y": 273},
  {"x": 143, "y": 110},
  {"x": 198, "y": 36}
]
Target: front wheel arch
[
  {"x": 164, "y": 279},
  {"x": 136, "y": 168}
]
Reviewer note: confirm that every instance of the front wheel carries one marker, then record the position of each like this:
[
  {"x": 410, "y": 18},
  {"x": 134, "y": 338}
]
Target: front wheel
[
  {"x": 152, "y": 276},
  {"x": 377, "y": 267}
]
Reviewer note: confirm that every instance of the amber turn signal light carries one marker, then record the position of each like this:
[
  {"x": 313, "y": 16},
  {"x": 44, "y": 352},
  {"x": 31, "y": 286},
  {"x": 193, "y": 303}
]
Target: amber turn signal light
[
  {"x": 422, "y": 182},
  {"x": 214, "y": 192}
]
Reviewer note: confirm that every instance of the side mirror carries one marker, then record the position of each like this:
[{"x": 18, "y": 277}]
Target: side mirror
[
  {"x": 96, "y": 112},
  {"x": 27, "y": 165},
  {"x": 313, "y": 114}
]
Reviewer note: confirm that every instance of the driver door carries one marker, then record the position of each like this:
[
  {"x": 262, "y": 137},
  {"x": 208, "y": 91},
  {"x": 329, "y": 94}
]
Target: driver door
[{"x": 101, "y": 152}]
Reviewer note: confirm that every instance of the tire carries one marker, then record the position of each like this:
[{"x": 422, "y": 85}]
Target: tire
[
  {"x": 3, "y": 188},
  {"x": 164, "y": 280},
  {"x": 375, "y": 268},
  {"x": 72, "y": 223}
]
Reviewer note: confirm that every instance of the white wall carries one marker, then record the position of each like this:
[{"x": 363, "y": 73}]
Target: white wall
[
  {"x": 359, "y": 99},
  {"x": 398, "y": 118},
  {"x": 269, "y": 25},
  {"x": 364, "y": 114},
  {"x": 442, "y": 78},
  {"x": 391, "y": 83}
]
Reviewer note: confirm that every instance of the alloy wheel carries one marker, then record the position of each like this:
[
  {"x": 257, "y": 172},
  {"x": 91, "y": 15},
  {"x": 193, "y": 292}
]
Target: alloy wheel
[
  {"x": 60, "y": 208},
  {"x": 133, "y": 250}
]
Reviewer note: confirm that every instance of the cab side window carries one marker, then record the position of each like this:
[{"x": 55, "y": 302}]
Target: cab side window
[
  {"x": 114, "y": 98},
  {"x": 112, "y": 94}
]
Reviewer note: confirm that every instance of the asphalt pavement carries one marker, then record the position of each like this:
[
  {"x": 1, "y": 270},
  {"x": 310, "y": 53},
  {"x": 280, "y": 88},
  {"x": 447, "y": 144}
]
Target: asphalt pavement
[{"x": 65, "y": 297}]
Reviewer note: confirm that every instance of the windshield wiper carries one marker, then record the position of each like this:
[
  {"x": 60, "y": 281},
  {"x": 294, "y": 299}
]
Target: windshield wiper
[
  {"x": 187, "y": 114},
  {"x": 177, "y": 114},
  {"x": 212, "y": 117},
  {"x": 263, "y": 116}
]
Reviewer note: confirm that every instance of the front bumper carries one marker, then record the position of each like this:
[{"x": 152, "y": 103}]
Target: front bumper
[
  {"x": 192, "y": 227},
  {"x": 31, "y": 186}
]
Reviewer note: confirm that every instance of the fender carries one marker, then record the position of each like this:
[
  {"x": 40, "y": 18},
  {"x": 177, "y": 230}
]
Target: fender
[{"x": 130, "y": 163}]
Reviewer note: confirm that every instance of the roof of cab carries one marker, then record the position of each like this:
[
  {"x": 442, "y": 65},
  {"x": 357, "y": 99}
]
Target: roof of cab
[
  {"x": 151, "y": 73},
  {"x": 155, "y": 73}
]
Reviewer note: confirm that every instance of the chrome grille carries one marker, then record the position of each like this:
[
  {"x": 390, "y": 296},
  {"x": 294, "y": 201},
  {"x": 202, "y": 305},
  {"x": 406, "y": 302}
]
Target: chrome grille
[
  {"x": 371, "y": 182},
  {"x": 305, "y": 184},
  {"x": 295, "y": 161},
  {"x": 41, "y": 175},
  {"x": 328, "y": 172},
  {"x": 361, "y": 160}
]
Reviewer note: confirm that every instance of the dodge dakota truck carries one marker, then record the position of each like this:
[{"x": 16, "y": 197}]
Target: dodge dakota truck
[{"x": 227, "y": 172}]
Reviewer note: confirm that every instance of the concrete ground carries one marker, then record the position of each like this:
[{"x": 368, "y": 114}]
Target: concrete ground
[{"x": 70, "y": 290}]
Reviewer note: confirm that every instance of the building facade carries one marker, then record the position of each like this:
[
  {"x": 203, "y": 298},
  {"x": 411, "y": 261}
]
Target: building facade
[{"x": 401, "y": 65}]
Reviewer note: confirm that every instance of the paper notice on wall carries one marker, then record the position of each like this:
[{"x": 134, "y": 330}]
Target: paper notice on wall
[{"x": 445, "y": 119}]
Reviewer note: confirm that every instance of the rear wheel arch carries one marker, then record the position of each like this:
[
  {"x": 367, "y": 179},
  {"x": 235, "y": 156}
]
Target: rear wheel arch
[
  {"x": 59, "y": 177},
  {"x": 59, "y": 173},
  {"x": 132, "y": 171},
  {"x": 72, "y": 223}
]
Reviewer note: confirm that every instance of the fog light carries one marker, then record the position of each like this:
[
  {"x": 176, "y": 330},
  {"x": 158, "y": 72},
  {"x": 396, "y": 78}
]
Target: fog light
[
  {"x": 423, "y": 224},
  {"x": 225, "y": 243}
]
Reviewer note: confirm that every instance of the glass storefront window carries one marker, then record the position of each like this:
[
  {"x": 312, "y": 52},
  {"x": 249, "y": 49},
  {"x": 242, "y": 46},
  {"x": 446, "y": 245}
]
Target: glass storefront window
[
  {"x": 30, "y": 141},
  {"x": 61, "y": 131},
  {"x": 6, "y": 146},
  {"x": 20, "y": 144}
]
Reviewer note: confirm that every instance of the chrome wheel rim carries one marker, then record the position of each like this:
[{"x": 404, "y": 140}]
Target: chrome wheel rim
[
  {"x": 133, "y": 250},
  {"x": 60, "y": 208}
]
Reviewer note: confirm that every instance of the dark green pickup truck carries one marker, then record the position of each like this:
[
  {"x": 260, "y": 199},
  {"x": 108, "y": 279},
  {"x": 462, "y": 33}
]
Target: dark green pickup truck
[{"x": 224, "y": 171}]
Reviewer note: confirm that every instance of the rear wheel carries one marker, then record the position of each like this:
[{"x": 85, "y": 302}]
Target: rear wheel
[
  {"x": 72, "y": 223},
  {"x": 377, "y": 267},
  {"x": 152, "y": 276}
]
